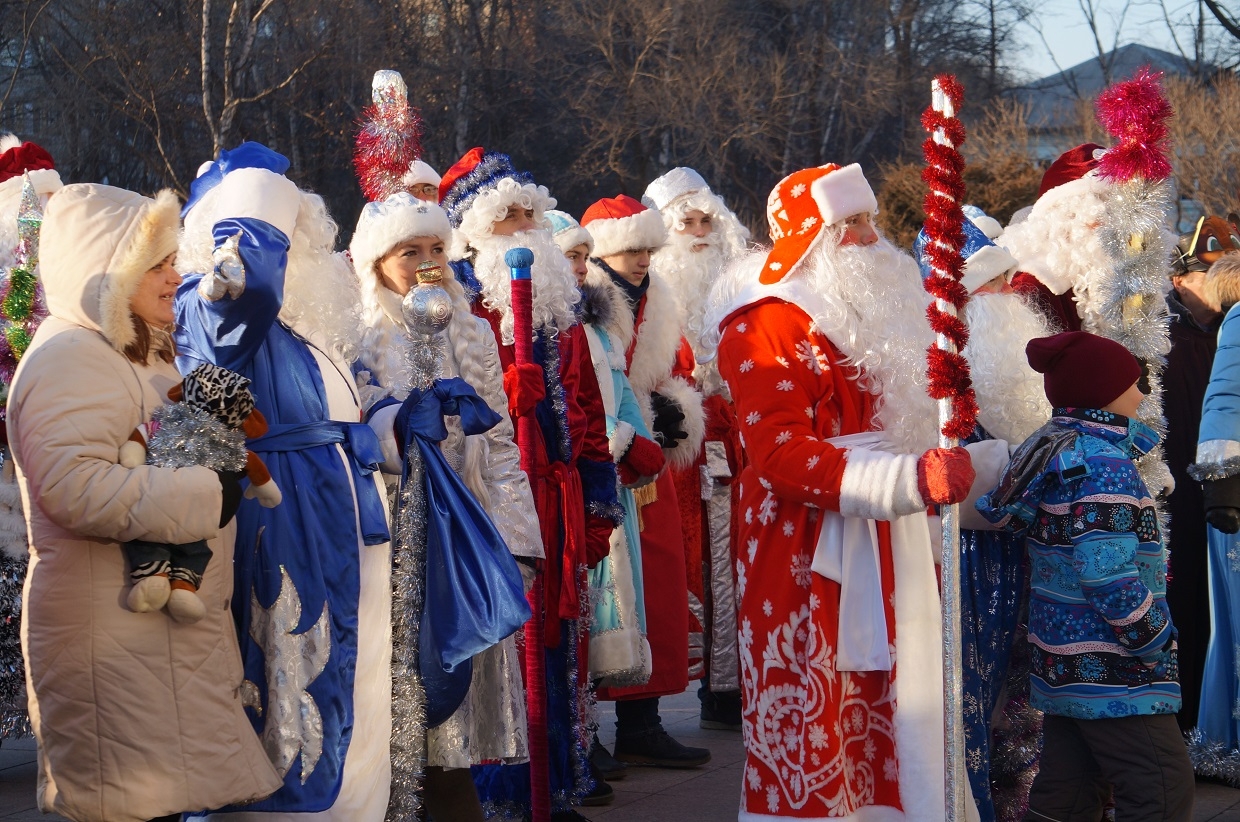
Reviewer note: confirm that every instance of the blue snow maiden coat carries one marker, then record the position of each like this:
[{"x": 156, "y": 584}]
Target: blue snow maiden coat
[{"x": 1103, "y": 642}]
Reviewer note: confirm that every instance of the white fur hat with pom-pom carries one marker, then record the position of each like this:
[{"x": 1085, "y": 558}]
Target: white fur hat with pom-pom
[{"x": 385, "y": 224}]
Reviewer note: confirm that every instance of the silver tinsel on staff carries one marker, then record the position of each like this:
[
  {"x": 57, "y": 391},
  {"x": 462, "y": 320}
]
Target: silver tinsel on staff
[
  {"x": 427, "y": 310},
  {"x": 1129, "y": 306}
]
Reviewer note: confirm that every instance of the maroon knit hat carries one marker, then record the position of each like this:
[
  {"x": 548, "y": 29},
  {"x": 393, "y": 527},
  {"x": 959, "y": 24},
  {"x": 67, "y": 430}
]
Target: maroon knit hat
[
  {"x": 1082, "y": 370},
  {"x": 1073, "y": 164}
]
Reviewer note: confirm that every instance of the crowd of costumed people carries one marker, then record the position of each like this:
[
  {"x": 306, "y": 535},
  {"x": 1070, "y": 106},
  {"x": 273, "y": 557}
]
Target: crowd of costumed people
[{"x": 298, "y": 533}]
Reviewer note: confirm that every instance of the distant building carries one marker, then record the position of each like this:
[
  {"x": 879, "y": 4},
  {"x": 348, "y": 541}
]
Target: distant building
[{"x": 1055, "y": 102}]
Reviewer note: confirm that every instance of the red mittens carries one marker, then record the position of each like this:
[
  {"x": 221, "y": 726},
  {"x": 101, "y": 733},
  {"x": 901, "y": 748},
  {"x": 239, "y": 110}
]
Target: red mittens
[
  {"x": 525, "y": 388},
  {"x": 598, "y": 539},
  {"x": 643, "y": 459},
  {"x": 944, "y": 475}
]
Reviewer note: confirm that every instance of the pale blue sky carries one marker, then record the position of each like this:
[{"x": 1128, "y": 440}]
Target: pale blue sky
[{"x": 1069, "y": 37}]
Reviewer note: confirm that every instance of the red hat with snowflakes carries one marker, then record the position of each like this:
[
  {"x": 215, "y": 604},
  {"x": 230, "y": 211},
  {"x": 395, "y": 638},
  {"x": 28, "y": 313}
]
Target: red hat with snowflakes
[
  {"x": 621, "y": 223},
  {"x": 802, "y": 204}
]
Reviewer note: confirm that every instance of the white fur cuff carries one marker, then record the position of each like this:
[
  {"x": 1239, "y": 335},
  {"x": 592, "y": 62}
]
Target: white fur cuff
[
  {"x": 879, "y": 486},
  {"x": 621, "y": 439},
  {"x": 262, "y": 195}
]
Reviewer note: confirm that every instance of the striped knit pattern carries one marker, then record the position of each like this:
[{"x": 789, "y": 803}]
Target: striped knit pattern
[
  {"x": 493, "y": 168},
  {"x": 1102, "y": 637}
]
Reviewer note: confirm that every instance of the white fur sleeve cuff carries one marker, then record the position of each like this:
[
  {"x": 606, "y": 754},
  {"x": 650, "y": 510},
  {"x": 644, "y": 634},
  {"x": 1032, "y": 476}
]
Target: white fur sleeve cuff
[
  {"x": 621, "y": 439},
  {"x": 263, "y": 195},
  {"x": 383, "y": 423},
  {"x": 881, "y": 486}
]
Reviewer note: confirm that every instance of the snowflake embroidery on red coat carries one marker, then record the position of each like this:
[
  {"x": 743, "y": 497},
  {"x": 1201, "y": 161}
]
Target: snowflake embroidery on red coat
[
  {"x": 801, "y": 570},
  {"x": 800, "y": 659},
  {"x": 809, "y": 353},
  {"x": 782, "y": 437},
  {"x": 784, "y": 385},
  {"x": 766, "y": 511}
]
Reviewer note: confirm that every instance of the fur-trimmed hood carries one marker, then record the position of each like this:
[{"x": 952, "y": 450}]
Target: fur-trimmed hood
[
  {"x": 604, "y": 305},
  {"x": 96, "y": 243},
  {"x": 653, "y": 360}
]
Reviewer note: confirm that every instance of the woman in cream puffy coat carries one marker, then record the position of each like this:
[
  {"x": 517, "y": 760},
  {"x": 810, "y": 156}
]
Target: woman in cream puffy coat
[{"x": 136, "y": 716}]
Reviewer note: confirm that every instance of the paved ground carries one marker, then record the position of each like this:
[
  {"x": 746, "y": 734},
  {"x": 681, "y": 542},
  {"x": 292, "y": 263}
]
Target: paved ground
[{"x": 708, "y": 794}]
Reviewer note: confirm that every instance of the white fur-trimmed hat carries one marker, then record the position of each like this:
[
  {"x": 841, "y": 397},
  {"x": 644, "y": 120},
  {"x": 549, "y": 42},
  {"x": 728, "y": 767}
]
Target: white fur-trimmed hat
[
  {"x": 420, "y": 173},
  {"x": 383, "y": 225},
  {"x": 667, "y": 189},
  {"x": 567, "y": 232},
  {"x": 620, "y": 224}
]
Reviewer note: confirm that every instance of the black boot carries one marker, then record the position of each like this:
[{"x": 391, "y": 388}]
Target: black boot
[
  {"x": 602, "y": 794},
  {"x": 721, "y": 710},
  {"x": 608, "y": 766},
  {"x": 656, "y": 748}
]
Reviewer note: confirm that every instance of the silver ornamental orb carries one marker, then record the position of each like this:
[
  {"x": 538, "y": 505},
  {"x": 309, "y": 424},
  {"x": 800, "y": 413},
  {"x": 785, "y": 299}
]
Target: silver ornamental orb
[{"x": 427, "y": 308}]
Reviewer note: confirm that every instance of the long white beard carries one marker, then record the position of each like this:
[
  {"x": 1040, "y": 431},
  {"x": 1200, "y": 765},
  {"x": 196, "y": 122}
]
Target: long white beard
[
  {"x": 1010, "y": 393},
  {"x": 690, "y": 274},
  {"x": 555, "y": 294},
  {"x": 869, "y": 301}
]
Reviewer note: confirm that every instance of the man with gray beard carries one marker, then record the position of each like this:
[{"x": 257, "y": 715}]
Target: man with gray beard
[
  {"x": 823, "y": 345},
  {"x": 1011, "y": 406},
  {"x": 703, "y": 234}
]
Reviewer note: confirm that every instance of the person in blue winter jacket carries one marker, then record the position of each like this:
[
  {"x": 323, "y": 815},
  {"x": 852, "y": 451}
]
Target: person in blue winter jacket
[{"x": 1103, "y": 642}]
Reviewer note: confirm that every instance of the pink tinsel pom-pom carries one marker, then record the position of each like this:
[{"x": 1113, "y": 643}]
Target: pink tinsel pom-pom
[{"x": 1135, "y": 113}]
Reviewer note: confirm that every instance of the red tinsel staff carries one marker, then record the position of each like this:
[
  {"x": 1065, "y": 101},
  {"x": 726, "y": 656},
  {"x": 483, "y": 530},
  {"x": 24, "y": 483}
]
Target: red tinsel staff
[
  {"x": 949, "y": 383},
  {"x": 519, "y": 261}
]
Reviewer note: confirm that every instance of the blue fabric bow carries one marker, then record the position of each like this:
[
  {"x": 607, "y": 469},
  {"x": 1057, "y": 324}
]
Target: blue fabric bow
[{"x": 474, "y": 594}]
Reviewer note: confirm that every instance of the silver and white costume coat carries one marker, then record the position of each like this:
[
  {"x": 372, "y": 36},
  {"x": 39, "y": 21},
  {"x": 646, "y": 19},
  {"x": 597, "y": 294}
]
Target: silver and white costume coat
[{"x": 491, "y": 724}]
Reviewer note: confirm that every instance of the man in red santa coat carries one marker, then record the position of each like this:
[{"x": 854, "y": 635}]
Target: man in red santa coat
[
  {"x": 823, "y": 347},
  {"x": 625, "y": 234},
  {"x": 493, "y": 208},
  {"x": 703, "y": 234}
]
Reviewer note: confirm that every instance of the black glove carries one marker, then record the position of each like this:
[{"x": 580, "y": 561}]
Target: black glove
[
  {"x": 669, "y": 421},
  {"x": 1222, "y": 498},
  {"x": 230, "y": 487}
]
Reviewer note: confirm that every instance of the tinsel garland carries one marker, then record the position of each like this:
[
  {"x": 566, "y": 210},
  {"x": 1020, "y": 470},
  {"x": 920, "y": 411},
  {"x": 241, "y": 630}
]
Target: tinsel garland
[
  {"x": 426, "y": 311},
  {"x": 188, "y": 436},
  {"x": 1212, "y": 758},
  {"x": 21, "y": 297},
  {"x": 1127, "y": 305},
  {"x": 389, "y": 139},
  {"x": 408, "y": 747},
  {"x": 14, "y": 721},
  {"x": 948, "y": 370}
]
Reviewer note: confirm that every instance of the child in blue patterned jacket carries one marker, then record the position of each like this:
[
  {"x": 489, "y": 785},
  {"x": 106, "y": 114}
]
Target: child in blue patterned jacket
[{"x": 1104, "y": 652}]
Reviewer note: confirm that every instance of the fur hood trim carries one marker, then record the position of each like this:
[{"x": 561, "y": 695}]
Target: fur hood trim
[
  {"x": 604, "y": 305},
  {"x": 154, "y": 234}
]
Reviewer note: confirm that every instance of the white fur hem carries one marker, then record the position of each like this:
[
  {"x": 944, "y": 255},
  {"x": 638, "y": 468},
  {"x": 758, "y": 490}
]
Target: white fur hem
[
  {"x": 619, "y": 234},
  {"x": 989, "y": 262},
  {"x": 879, "y": 486}
]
